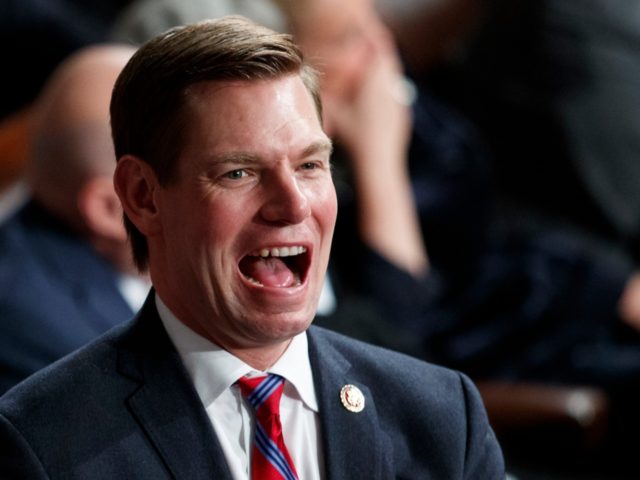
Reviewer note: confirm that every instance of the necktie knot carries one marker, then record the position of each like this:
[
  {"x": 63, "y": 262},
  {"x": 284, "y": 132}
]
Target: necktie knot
[{"x": 263, "y": 393}]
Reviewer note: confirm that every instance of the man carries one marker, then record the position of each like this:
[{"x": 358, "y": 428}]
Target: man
[
  {"x": 65, "y": 264},
  {"x": 224, "y": 175}
]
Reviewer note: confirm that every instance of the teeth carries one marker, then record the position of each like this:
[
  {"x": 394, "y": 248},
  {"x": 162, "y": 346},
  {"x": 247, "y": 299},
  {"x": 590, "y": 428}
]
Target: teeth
[
  {"x": 297, "y": 283},
  {"x": 280, "y": 252}
]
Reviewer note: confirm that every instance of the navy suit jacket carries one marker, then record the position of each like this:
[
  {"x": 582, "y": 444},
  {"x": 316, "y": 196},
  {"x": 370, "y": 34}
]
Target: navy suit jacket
[
  {"x": 124, "y": 407},
  {"x": 56, "y": 294}
]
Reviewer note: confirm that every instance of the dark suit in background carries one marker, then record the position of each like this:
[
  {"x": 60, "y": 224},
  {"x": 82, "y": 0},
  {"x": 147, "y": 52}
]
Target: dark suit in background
[
  {"x": 137, "y": 415},
  {"x": 56, "y": 293},
  {"x": 498, "y": 302},
  {"x": 553, "y": 85}
]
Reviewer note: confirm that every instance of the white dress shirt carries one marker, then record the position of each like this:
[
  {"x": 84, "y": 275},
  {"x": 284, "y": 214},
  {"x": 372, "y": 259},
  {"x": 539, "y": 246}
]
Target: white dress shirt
[
  {"x": 214, "y": 372},
  {"x": 134, "y": 289}
]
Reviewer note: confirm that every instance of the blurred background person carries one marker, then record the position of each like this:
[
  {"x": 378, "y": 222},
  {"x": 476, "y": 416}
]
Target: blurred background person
[
  {"x": 66, "y": 273},
  {"x": 512, "y": 296},
  {"x": 499, "y": 302},
  {"x": 35, "y": 37}
]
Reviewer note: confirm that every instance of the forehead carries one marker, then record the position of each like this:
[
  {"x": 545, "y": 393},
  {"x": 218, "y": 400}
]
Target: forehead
[{"x": 257, "y": 114}]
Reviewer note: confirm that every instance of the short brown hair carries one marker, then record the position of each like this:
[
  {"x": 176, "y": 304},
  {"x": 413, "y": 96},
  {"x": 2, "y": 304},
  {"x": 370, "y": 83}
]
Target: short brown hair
[{"x": 147, "y": 114}]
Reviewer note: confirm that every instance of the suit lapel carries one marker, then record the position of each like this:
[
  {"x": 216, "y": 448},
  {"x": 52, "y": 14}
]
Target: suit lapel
[
  {"x": 166, "y": 404},
  {"x": 354, "y": 445}
]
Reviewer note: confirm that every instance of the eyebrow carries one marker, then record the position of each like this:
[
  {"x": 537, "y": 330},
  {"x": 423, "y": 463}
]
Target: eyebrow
[
  {"x": 245, "y": 158},
  {"x": 321, "y": 146}
]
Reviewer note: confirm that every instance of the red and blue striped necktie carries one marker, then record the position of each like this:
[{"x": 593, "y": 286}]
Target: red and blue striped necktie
[{"x": 270, "y": 459}]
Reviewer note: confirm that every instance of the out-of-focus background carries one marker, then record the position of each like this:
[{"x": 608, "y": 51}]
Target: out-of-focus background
[{"x": 504, "y": 240}]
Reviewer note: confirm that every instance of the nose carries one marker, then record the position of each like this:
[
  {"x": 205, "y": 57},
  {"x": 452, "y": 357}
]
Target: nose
[{"x": 285, "y": 202}]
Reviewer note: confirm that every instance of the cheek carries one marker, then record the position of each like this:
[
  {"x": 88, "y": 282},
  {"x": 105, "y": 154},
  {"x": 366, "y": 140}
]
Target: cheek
[
  {"x": 326, "y": 208},
  {"x": 198, "y": 225},
  {"x": 220, "y": 224}
]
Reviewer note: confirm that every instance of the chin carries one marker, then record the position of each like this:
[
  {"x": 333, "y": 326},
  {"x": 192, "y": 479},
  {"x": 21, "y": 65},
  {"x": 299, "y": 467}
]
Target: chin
[{"x": 281, "y": 326}]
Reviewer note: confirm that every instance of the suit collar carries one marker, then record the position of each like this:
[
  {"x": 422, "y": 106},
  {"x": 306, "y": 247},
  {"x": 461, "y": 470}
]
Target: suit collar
[
  {"x": 213, "y": 370},
  {"x": 166, "y": 404},
  {"x": 354, "y": 444}
]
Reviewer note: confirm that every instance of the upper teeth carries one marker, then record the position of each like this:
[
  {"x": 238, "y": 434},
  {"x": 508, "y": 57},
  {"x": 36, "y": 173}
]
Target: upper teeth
[{"x": 280, "y": 251}]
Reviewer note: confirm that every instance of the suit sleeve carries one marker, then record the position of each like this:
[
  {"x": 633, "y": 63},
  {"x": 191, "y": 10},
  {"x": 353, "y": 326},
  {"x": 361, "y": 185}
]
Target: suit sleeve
[
  {"x": 17, "y": 459},
  {"x": 483, "y": 457}
]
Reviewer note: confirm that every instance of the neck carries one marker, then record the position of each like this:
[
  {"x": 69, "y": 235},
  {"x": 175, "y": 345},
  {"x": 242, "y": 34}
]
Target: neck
[
  {"x": 260, "y": 356},
  {"x": 263, "y": 357},
  {"x": 258, "y": 351}
]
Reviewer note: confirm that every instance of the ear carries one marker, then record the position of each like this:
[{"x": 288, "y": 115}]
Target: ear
[
  {"x": 135, "y": 184},
  {"x": 101, "y": 210}
]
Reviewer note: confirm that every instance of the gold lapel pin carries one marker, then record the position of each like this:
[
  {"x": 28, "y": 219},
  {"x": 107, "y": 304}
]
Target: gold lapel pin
[{"x": 352, "y": 398}]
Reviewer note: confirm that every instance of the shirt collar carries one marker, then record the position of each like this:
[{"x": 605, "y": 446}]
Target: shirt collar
[{"x": 213, "y": 370}]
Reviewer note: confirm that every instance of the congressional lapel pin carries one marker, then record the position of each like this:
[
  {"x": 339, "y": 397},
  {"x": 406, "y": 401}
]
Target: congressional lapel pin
[{"x": 352, "y": 398}]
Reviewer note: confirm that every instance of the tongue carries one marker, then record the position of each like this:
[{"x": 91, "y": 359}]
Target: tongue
[{"x": 270, "y": 272}]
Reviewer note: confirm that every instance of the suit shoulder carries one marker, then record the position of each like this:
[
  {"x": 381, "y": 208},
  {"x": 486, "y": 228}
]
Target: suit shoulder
[
  {"x": 451, "y": 413},
  {"x": 380, "y": 362},
  {"x": 75, "y": 376}
]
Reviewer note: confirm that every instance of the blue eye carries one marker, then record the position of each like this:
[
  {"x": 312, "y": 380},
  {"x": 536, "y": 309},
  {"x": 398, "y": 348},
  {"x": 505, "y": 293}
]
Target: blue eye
[
  {"x": 236, "y": 174},
  {"x": 309, "y": 166}
]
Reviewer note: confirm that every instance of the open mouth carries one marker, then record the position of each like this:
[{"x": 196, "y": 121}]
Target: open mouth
[{"x": 280, "y": 267}]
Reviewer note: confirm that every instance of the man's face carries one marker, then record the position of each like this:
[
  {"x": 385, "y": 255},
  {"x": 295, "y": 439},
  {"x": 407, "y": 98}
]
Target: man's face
[{"x": 246, "y": 227}]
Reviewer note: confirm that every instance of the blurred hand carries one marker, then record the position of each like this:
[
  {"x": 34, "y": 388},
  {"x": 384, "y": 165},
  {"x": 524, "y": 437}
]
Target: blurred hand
[{"x": 374, "y": 123}]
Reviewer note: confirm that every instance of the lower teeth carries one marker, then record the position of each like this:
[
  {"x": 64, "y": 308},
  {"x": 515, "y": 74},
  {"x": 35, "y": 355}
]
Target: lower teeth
[{"x": 296, "y": 283}]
